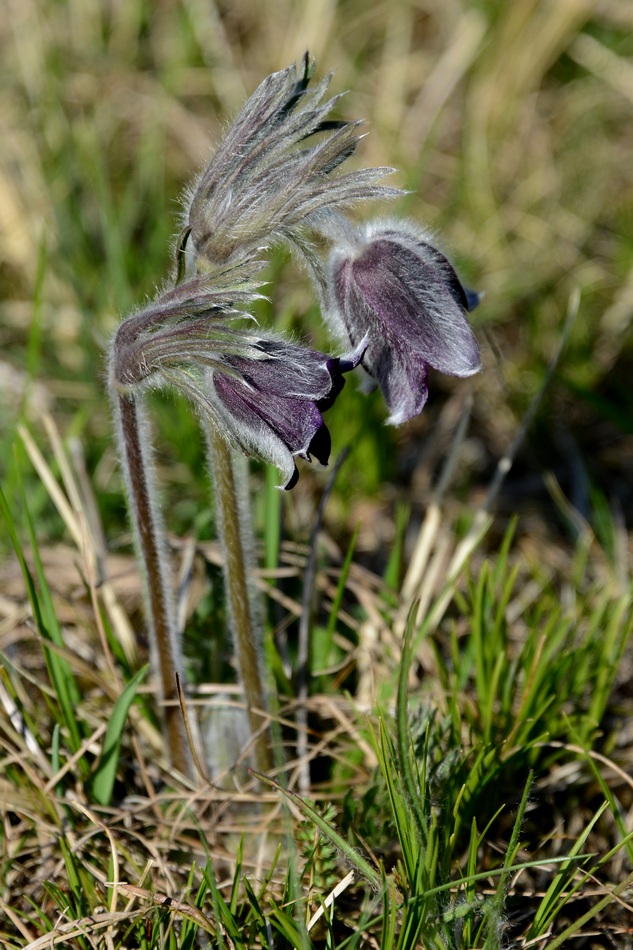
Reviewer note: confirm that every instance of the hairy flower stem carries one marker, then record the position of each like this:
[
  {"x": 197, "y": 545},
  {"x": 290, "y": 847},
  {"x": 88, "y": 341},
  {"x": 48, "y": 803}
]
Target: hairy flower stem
[
  {"x": 240, "y": 611},
  {"x": 138, "y": 467}
]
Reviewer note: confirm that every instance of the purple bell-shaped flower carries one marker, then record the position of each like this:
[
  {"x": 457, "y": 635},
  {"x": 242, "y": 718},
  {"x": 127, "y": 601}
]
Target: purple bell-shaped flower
[{"x": 393, "y": 292}]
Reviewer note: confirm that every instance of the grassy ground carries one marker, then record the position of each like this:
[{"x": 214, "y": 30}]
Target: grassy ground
[{"x": 462, "y": 777}]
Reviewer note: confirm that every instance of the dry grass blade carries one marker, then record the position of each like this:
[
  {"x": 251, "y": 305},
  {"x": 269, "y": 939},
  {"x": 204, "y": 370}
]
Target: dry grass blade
[
  {"x": 169, "y": 903},
  {"x": 342, "y": 885},
  {"x": 87, "y": 927},
  {"x": 78, "y": 521}
]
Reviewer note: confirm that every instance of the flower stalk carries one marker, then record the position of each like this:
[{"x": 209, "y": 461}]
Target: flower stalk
[
  {"x": 148, "y": 528},
  {"x": 231, "y": 533}
]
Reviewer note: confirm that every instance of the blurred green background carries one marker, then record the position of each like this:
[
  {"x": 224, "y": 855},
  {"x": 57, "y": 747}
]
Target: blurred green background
[{"x": 509, "y": 123}]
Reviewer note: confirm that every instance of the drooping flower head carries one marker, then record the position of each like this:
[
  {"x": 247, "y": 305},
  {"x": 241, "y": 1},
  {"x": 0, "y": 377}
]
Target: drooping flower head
[
  {"x": 264, "y": 394},
  {"x": 392, "y": 290},
  {"x": 264, "y": 181}
]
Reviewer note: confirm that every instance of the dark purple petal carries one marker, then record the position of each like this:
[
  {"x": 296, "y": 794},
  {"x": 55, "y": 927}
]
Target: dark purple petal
[
  {"x": 403, "y": 384},
  {"x": 286, "y": 370},
  {"x": 418, "y": 300},
  {"x": 337, "y": 366},
  {"x": 295, "y": 421},
  {"x": 292, "y": 481},
  {"x": 321, "y": 445}
]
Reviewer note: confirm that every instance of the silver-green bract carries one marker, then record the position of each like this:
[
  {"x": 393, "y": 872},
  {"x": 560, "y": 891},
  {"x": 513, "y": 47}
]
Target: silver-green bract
[{"x": 276, "y": 168}]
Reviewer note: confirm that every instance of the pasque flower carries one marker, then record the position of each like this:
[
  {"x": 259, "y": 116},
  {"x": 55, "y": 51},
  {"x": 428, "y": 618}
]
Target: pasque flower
[
  {"x": 268, "y": 401},
  {"x": 264, "y": 394},
  {"x": 264, "y": 182},
  {"x": 392, "y": 291},
  {"x": 275, "y": 177}
]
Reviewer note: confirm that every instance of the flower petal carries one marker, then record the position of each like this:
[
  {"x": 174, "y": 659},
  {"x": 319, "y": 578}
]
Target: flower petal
[
  {"x": 285, "y": 369},
  {"x": 272, "y": 427}
]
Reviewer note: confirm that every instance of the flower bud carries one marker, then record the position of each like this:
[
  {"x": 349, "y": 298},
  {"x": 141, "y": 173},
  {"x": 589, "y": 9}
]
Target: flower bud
[{"x": 276, "y": 168}]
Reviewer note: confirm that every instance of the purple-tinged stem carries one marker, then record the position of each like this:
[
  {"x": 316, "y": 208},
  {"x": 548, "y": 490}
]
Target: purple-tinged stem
[
  {"x": 240, "y": 610},
  {"x": 148, "y": 526}
]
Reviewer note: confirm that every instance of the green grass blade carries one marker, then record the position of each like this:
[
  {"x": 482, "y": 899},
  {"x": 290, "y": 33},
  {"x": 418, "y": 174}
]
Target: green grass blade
[
  {"x": 494, "y": 908},
  {"x": 497, "y": 872},
  {"x": 393, "y": 570},
  {"x": 56, "y": 763},
  {"x": 389, "y": 914},
  {"x": 552, "y": 902},
  {"x": 402, "y": 724},
  {"x": 610, "y": 799},
  {"x": 237, "y": 874},
  {"x": 289, "y": 928},
  {"x": 59, "y": 669},
  {"x": 580, "y": 922},
  {"x": 105, "y": 773},
  {"x": 223, "y": 912},
  {"x": 189, "y": 932}
]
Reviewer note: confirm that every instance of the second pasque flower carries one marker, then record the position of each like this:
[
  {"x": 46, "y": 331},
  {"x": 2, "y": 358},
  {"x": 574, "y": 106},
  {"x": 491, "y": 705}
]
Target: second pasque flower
[{"x": 390, "y": 288}]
